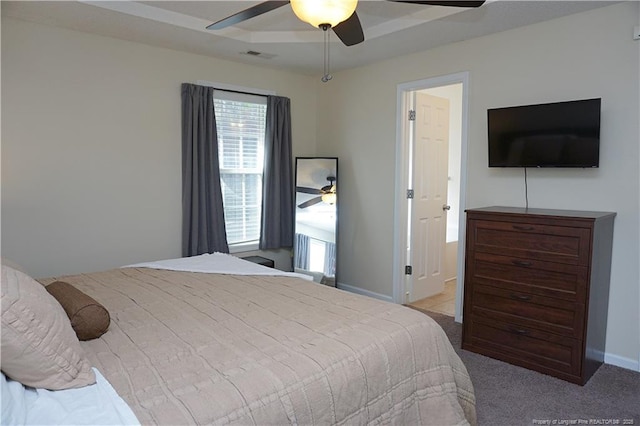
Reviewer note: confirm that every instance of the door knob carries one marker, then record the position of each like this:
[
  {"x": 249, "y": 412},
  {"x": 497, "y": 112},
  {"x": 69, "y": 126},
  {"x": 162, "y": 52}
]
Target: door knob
[{"x": 446, "y": 207}]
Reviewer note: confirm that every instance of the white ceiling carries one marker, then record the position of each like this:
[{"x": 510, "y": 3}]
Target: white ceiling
[{"x": 391, "y": 29}]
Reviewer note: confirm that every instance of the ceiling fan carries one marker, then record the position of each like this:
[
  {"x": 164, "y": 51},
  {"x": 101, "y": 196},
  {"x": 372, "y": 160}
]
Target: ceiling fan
[
  {"x": 347, "y": 26},
  {"x": 326, "y": 193}
]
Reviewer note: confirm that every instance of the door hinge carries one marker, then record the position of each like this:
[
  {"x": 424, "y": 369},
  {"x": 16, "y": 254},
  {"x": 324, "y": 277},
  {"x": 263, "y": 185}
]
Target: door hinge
[
  {"x": 410, "y": 194},
  {"x": 412, "y": 115},
  {"x": 408, "y": 270}
]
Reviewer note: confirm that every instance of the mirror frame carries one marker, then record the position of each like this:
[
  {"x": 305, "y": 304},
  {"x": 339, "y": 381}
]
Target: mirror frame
[{"x": 295, "y": 207}]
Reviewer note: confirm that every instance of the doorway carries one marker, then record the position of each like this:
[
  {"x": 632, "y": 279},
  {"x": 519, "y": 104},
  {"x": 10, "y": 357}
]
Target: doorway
[{"x": 437, "y": 253}]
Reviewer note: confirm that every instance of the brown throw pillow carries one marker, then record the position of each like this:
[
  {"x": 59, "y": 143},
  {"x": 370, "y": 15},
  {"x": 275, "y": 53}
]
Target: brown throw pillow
[
  {"x": 38, "y": 346},
  {"x": 89, "y": 319}
]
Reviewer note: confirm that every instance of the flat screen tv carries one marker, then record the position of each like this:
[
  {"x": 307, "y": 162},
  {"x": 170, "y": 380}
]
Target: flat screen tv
[{"x": 560, "y": 134}]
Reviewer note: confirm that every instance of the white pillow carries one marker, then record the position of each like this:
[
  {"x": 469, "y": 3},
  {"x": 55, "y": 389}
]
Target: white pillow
[
  {"x": 97, "y": 404},
  {"x": 14, "y": 407}
]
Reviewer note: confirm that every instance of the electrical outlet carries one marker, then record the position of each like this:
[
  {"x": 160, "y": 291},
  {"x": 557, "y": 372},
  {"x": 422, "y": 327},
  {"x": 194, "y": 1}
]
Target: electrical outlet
[{"x": 636, "y": 32}]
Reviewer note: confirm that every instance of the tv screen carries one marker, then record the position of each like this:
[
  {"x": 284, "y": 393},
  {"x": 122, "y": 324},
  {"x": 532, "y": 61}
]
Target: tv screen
[{"x": 560, "y": 134}]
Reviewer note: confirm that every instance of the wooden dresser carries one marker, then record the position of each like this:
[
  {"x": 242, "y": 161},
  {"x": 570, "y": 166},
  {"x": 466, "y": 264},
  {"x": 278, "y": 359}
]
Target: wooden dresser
[{"x": 536, "y": 288}]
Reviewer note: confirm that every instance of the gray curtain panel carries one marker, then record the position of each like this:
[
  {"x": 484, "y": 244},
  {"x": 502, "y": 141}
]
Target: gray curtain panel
[
  {"x": 301, "y": 259},
  {"x": 277, "y": 196},
  {"x": 330, "y": 259},
  {"x": 203, "y": 228}
]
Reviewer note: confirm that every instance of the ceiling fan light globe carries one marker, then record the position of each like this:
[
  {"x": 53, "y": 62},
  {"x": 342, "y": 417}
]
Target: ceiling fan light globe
[
  {"x": 320, "y": 12},
  {"x": 329, "y": 198}
]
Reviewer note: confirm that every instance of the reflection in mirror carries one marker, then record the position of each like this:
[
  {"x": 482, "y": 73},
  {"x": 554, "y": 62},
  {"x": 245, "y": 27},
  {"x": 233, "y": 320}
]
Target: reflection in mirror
[{"x": 316, "y": 218}]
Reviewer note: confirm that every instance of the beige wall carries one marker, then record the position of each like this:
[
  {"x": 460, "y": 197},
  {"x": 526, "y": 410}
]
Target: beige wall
[
  {"x": 451, "y": 261},
  {"x": 581, "y": 56},
  {"x": 91, "y": 169}
]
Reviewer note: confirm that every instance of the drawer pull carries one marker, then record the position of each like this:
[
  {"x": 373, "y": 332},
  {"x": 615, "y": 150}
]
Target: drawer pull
[
  {"x": 520, "y": 331},
  {"x": 521, "y": 262},
  {"x": 520, "y": 297},
  {"x": 523, "y": 228}
]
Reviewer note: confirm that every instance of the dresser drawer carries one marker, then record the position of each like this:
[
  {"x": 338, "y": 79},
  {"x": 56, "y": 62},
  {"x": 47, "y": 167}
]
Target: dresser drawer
[
  {"x": 531, "y": 241},
  {"x": 528, "y": 310},
  {"x": 528, "y": 347},
  {"x": 558, "y": 280}
]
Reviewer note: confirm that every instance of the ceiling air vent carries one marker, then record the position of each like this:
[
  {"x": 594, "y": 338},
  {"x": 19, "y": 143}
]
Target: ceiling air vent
[{"x": 258, "y": 54}]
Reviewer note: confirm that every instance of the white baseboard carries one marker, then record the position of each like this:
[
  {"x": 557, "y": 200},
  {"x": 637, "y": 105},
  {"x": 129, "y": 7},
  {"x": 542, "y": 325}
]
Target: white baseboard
[
  {"x": 364, "y": 292},
  {"x": 619, "y": 361}
]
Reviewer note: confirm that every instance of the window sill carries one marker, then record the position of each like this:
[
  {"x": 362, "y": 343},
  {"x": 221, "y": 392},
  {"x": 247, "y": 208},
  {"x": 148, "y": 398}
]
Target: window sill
[{"x": 244, "y": 247}]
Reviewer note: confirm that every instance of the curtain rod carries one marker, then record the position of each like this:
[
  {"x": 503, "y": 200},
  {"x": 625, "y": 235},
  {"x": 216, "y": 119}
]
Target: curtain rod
[
  {"x": 236, "y": 89},
  {"x": 239, "y": 91}
]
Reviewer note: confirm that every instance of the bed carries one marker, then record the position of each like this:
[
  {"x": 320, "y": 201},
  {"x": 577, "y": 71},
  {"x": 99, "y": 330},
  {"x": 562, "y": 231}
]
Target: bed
[{"x": 250, "y": 347}]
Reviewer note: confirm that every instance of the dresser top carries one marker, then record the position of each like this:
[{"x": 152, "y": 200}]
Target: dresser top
[{"x": 543, "y": 212}]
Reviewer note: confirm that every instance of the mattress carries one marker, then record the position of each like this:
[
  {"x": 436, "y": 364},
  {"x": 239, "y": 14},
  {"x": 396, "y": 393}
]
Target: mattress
[{"x": 204, "y": 348}]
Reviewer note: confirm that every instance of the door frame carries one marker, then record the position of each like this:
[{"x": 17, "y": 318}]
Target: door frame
[{"x": 401, "y": 210}]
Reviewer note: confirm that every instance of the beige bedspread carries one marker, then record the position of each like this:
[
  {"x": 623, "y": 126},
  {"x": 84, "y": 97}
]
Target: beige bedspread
[{"x": 193, "y": 348}]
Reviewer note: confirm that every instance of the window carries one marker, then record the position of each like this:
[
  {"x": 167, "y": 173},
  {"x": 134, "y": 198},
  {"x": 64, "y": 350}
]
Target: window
[
  {"x": 316, "y": 254},
  {"x": 241, "y": 121}
]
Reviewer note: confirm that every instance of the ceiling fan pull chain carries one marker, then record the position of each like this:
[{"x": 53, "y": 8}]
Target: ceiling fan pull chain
[{"x": 327, "y": 73}]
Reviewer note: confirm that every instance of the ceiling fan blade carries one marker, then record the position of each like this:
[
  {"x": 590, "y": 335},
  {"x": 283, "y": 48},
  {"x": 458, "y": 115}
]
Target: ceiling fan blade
[
  {"x": 453, "y": 3},
  {"x": 306, "y": 190},
  {"x": 350, "y": 31},
  {"x": 309, "y": 203},
  {"x": 243, "y": 15}
]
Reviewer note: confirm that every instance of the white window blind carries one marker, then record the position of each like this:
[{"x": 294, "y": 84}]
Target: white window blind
[{"x": 241, "y": 121}]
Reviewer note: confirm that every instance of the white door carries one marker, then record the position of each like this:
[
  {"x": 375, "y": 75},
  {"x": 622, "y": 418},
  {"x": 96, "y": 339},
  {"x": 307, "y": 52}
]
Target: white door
[{"x": 429, "y": 204}]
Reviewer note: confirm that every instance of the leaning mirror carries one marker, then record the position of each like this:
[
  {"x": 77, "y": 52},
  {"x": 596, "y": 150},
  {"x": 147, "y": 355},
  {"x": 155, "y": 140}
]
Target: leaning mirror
[{"x": 316, "y": 218}]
